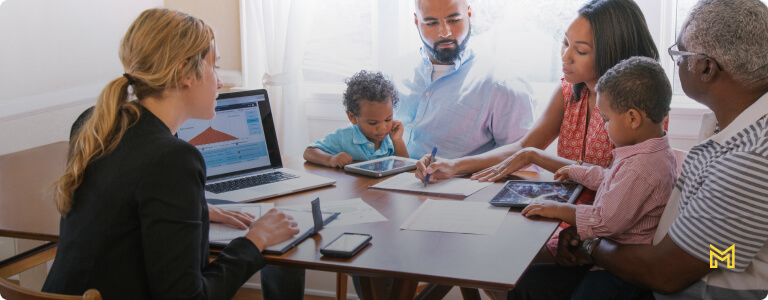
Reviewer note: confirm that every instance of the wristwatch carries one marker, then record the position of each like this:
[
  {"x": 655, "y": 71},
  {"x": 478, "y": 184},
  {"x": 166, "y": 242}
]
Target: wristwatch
[
  {"x": 589, "y": 245},
  {"x": 579, "y": 162}
]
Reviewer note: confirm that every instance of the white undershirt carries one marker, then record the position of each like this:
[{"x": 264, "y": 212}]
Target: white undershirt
[{"x": 440, "y": 70}]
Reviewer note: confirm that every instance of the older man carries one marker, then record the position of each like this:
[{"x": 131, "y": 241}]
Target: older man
[
  {"x": 721, "y": 199},
  {"x": 452, "y": 99}
]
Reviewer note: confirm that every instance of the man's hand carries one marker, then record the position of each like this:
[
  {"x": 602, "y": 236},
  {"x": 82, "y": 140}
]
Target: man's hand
[
  {"x": 440, "y": 168},
  {"x": 567, "y": 246}
]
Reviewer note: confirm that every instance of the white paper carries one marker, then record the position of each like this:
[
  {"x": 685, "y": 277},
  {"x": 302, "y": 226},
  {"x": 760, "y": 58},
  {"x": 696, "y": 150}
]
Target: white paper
[
  {"x": 452, "y": 186},
  {"x": 456, "y": 216},
  {"x": 353, "y": 211},
  {"x": 222, "y": 232}
]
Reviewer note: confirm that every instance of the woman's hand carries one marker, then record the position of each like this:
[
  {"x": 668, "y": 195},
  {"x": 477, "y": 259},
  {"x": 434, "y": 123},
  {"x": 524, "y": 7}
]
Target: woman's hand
[
  {"x": 440, "y": 168},
  {"x": 238, "y": 219},
  {"x": 272, "y": 228},
  {"x": 517, "y": 161}
]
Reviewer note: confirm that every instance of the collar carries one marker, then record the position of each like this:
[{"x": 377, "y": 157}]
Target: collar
[
  {"x": 647, "y": 146},
  {"x": 146, "y": 113},
  {"x": 464, "y": 57},
  {"x": 358, "y": 138},
  {"x": 749, "y": 116}
]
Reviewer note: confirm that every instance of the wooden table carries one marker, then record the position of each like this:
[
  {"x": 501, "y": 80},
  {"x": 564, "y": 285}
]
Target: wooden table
[{"x": 476, "y": 261}]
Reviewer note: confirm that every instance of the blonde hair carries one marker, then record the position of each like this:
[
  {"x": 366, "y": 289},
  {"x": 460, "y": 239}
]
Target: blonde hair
[{"x": 161, "y": 47}]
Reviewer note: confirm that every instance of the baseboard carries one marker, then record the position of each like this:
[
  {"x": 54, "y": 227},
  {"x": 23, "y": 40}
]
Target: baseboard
[{"x": 313, "y": 292}]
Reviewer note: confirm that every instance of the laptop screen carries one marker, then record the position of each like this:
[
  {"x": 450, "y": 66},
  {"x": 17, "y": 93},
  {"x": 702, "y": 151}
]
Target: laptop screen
[{"x": 235, "y": 140}]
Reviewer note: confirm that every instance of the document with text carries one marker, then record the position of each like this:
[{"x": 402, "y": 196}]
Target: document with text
[
  {"x": 352, "y": 211},
  {"x": 452, "y": 186},
  {"x": 456, "y": 216}
]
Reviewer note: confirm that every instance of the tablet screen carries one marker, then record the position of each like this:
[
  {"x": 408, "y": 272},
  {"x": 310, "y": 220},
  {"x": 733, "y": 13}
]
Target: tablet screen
[
  {"x": 523, "y": 193},
  {"x": 385, "y": 165}
]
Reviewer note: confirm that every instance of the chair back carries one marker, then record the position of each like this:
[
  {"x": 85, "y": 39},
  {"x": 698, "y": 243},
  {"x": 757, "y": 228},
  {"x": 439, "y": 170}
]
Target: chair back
[
  {"x": 12, "y": 291},
  {"x": 679, "y": 157}
]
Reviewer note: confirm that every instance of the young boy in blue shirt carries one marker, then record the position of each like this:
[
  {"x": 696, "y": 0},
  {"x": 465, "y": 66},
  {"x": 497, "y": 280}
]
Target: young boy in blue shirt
[{"x": 369, "y": 100}]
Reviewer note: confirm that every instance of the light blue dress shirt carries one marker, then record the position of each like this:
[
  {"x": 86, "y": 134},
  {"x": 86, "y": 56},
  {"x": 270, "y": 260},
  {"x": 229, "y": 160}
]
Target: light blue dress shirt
[
  {"x": 352, "y": 141},
  {"x": 469, "y": 110}
]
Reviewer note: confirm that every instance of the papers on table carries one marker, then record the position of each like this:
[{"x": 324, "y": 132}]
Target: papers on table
[
  {"x": 452, "y": 186},
  {"x": 456, "y": 216},
  {"x": 222, "y": 232},
  {"x": 353, "y": 211}
]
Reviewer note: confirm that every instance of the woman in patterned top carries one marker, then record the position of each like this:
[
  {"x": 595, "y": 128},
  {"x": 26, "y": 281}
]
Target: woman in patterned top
[{"x": 604, "y": 33}]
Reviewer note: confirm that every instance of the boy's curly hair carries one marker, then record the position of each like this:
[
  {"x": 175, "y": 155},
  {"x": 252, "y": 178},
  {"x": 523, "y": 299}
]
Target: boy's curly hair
[{"x": 368, "y": 85}]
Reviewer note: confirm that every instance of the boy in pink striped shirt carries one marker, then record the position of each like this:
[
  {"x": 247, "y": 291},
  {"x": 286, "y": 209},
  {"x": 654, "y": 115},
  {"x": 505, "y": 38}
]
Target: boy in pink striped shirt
[{"x": 633, "y": 97}]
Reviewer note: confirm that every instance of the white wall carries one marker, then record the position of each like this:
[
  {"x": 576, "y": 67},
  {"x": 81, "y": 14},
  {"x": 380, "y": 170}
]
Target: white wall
[{"x": 55, "y": 57}]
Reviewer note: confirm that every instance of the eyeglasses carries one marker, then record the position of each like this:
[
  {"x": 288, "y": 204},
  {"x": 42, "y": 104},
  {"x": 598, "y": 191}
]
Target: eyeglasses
[{"x": 676, "y": 55}]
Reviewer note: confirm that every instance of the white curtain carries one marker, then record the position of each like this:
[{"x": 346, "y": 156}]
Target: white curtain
[{"x": 274, "y": 34}]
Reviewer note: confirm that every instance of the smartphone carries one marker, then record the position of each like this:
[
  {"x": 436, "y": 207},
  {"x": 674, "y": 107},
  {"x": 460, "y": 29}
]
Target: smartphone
[{"x": 346, "y": 245}]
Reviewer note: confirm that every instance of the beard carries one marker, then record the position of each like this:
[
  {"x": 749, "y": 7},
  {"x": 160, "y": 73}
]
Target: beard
[{"x": 447, "y": 55}]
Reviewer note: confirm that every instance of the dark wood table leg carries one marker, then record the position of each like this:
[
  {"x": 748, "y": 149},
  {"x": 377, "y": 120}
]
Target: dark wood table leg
[
  {"x": 434, "y": 292},
  {"x": 341, "y": 286},
  {"x": 403, "y": 289},
  {"x": 373, "y": 288},
  {"x": 470, "y": 294}
]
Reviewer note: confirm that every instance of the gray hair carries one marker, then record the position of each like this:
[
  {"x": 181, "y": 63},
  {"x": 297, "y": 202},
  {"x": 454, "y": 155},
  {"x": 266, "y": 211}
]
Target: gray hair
[
  {"x": 637, "y": 83},
  {"x": 734, "y": 33}
]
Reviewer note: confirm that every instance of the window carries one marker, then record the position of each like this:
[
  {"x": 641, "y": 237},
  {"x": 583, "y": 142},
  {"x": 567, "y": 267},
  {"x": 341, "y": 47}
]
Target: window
[
  {"x": 350, "y": 35},
  {"x": 523, "y": 36}
]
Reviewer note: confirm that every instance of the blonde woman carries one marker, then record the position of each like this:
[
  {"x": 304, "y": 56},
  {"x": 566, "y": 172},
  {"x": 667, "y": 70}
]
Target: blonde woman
[{"x": 134, "y": 217}]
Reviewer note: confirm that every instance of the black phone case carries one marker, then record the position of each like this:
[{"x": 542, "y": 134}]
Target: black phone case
[{"x": 343, "y": 254}]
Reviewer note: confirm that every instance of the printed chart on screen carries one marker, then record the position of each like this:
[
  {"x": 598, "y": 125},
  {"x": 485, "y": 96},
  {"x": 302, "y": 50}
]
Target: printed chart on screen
[{"x": 232, "y": 141}]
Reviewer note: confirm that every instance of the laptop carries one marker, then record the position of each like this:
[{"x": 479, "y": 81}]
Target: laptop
[{"x": 240, "y": 149}]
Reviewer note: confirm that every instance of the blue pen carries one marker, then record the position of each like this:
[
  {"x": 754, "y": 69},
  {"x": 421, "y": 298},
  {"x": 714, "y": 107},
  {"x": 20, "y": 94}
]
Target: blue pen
[{"x": 431, "y": 160}]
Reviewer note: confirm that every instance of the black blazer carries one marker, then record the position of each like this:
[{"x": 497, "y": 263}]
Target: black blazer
[{"x": 138, "y": 227}]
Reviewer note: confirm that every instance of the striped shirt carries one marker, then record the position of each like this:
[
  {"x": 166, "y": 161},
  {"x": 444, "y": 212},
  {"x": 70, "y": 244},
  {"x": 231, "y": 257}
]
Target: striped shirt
[
  {"x": 723, "y": 201},
  {"x": 631, "y": 195}
]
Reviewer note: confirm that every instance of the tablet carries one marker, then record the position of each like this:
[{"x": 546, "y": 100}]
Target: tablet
[
  {"x": 381, "y": 167},
  {"x": 520, "y": 193}
]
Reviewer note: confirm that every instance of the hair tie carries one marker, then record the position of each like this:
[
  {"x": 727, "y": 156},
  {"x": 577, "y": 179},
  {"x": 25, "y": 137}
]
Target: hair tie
[{"x": 130, "y": 79}]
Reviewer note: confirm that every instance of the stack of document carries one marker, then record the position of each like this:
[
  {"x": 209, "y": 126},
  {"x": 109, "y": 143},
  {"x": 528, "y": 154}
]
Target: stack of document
[
  {"x": 456, "y": 216},
  {"x": 220, "y": 234},
  {"x": 452, "y": 186}
]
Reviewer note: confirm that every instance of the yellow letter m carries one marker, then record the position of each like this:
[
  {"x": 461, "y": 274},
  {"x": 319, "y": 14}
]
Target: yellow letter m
[{"x": 715, "y": 255}]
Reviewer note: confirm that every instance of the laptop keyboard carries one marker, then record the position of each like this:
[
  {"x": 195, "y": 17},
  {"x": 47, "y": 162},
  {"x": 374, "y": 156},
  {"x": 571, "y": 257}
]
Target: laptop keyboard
[{"x": 246, "y": 182}]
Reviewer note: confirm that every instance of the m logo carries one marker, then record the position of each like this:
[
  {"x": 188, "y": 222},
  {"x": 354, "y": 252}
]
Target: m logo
[{"x": 729, "y": 258}]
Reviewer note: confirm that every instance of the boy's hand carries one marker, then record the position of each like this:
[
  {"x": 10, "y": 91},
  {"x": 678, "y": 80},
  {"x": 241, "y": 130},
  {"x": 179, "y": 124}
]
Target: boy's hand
[
  {"x": 545, "y": 208},
  {"x": 340, "y": 160},
  {"x": 563, "y": 174},
  {"x": 397, "y": 131}
]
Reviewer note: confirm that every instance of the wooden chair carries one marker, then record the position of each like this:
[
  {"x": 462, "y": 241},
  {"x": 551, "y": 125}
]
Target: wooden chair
[
  {"x": 680, "y": 157},
  {"x": 12, "y": 291}
]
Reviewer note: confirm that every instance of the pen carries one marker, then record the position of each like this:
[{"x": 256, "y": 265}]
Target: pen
[{"x": 431, "y": 160}]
